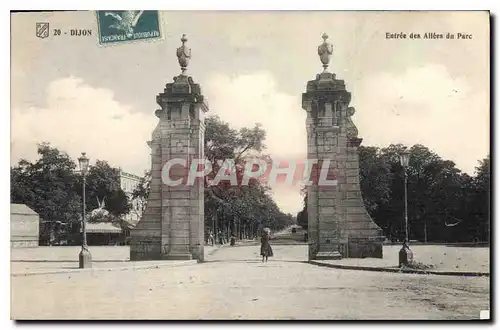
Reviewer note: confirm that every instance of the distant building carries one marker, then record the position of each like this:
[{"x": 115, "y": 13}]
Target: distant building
[
  {"x": 104, "y": 233},
  {"x": 128, "y": 183},
  {"x": 24, "y": 226}
]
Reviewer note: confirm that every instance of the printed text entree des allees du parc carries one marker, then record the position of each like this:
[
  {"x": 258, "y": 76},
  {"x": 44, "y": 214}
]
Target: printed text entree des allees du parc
[{"x": 429, "y": 35}]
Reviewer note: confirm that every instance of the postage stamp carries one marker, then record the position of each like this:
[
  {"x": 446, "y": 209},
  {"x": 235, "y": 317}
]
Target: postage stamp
[{"x": 120, "y": 26}]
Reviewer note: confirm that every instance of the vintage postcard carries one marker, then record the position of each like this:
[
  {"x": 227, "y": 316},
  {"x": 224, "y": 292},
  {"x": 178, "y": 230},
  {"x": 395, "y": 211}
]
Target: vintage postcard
[{"x": 250, "y": 165}]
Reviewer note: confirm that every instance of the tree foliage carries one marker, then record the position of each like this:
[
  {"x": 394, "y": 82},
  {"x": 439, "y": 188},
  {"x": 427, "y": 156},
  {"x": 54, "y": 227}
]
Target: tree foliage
[
  {"x": 444, "y": 204},
  {"x": 141, "y": 193},
  {"x": 241, "y": 209},
  {"x": 375, "y": 178},
  {"x": 52, "y": 187},
  {"x": 302, "y": 215},
  {"x": 49, "y": 186},
  {"x": 103, "y": 183}
]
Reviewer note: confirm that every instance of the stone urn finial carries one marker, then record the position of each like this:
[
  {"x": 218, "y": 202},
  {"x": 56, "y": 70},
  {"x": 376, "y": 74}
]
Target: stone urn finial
[
  {"x": 325, "y": 51},
  {"x": 183, "y": 54}
]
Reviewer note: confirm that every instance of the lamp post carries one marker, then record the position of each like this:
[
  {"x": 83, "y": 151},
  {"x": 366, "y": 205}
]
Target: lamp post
[
  {"x": 84, "y": 258},
  {"x": 405, "y": 254},
  {"x": 214, "y": 229},
  {"x": 404, "y": 157}
]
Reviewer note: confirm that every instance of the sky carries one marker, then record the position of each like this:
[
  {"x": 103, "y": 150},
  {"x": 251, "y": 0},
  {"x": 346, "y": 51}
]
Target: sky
[{"x": 253, "y": 68}]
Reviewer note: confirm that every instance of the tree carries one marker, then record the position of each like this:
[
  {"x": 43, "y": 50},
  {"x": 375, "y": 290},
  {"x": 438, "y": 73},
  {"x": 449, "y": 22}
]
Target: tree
[
  {"x": 21, "y": 190},
  {"x": 223, "y": 142},
  {"x": 49, "y": 187},
  {"x": 302, "y": 218},
  {"x": 444, "y": 204},
  {"x": 375, "y": 178},
  {"x": 480, "y": 210},
  {"x": 141, "y": 193},
  {"x": 238, "y": 208},
  {"x": 103, "y": 183},
  {"x": 118, "y": 203},
  {"x": 241, "y": 209},
  {"x": 438, "y": 197},
  {"x": 52, "y": 187}
]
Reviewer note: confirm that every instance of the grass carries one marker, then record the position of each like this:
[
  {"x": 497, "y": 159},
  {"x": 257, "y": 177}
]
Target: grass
[{"x": 414, "y": 264}]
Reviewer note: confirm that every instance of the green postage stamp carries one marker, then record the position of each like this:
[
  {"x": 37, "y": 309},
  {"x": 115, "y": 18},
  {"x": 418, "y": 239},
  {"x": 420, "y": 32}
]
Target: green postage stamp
[{"x": 120, "y": 26}]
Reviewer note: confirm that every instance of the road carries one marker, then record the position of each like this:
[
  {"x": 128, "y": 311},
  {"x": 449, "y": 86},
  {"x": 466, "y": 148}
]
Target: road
[{"x": 235, "y": 284}]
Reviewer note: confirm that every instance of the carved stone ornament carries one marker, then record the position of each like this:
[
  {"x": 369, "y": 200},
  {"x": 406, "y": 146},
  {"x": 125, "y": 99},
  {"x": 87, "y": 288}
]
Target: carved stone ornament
[
  {"x": 183, "y": 54},
  {"x": 325, "y": 51},
  {"x": 180, "y": 147},
  {"x": 351, "y": 130}
]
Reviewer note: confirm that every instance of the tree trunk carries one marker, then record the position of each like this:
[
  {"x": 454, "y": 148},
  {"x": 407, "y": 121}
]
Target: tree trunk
[{"x": 425, "y": 231}]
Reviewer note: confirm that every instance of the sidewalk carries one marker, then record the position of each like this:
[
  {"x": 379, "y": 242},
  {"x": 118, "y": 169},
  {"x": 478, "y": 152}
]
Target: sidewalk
[
  {"x": 446, "y": 260},
  {"x": 394, "y": 269},
  {"x": 41, "y": 268},
  {"x": 56, "y": 260}
]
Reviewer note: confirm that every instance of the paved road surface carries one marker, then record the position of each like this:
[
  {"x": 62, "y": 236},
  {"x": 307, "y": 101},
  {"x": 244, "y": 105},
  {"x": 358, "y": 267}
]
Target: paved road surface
[{"x": 235, "y": 284}]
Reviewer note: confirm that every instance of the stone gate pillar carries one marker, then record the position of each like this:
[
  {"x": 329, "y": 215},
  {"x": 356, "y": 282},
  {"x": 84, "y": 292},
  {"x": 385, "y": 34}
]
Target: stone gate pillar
[
  {"x": 172, "y": 226},
  {"x": 338, "y": 223}
]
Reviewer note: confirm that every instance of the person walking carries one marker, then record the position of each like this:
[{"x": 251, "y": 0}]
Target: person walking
[
  {"x": 221, "y": 239},
  {"x": 211, "y": 238},
  {"x": 265, "y": 248}
]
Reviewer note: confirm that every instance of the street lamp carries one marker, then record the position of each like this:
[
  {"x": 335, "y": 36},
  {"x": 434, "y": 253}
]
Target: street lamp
[
  {"x": 404, "y": 158},
  {"x": 84, "y": 258},
  {"x": 405, "y": 254}
]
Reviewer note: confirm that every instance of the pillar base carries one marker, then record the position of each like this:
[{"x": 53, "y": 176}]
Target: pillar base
[
  {"x": 366, "y": 249},
  {"x": 328, "y": 256},
  {"x": 178, "y": 256},
  {"x": 405, "y": 256},
  {"x": 85, "y": 259}
]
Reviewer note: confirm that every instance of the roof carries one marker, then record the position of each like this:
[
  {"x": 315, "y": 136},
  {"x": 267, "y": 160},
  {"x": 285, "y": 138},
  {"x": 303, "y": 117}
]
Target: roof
[
  {"x": 130, "y": 175},
  {"x": 102, "y": 227},
  {"x": 131, "y": 223},
  {"x": 21, "y": 209}
]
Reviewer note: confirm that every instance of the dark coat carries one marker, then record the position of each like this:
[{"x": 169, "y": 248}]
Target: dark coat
[{"x": 265, "y": 247}]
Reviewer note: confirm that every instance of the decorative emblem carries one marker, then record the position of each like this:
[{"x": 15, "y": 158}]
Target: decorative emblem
[
  {"x": 183, "y": 54},
  {"x": 325, "y": 51},
  {"x": 180, "y": 147},
  {"x": 352, "y": 132},
  {"x": 42, "y": 30},
  {"x": 328, "y": 143},
  {"x": 350, "y": 111}
]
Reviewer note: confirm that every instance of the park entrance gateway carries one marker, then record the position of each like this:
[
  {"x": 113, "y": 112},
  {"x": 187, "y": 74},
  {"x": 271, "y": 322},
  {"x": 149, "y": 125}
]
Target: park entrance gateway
[
  {"x": 338, "y": 224},
  {"x": 173, "y": 223}
]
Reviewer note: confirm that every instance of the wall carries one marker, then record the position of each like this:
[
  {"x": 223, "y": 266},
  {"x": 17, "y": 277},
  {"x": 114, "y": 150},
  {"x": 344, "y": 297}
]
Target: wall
[{"x": 24, "y": 226}]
